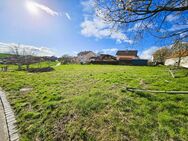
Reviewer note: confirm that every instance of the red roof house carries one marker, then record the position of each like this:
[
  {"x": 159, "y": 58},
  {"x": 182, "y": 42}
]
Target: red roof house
[{"x": 126, "y": 54}]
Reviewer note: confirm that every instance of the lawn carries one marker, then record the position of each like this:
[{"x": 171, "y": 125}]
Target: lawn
[{"x": 86, "y": 102}]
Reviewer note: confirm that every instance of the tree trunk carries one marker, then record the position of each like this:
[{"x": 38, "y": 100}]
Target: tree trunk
[
  {"x": 27, "y": 67},
  {"x": 6, "y": 68},
  {"x": 19, "y": 67},
  {"x": 179, "y": 61}
]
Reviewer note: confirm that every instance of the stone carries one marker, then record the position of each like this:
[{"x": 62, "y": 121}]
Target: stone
[{"x": 25, "y": 90}]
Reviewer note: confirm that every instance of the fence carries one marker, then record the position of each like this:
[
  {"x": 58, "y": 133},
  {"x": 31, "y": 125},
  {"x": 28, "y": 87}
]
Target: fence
[{"x": 134, "y": 62}]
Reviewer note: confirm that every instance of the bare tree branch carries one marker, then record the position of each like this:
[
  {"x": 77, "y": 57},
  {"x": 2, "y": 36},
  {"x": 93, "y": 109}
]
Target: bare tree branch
[{"x": 130, "y": 12}]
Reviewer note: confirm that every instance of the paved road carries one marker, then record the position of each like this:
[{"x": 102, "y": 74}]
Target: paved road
[{"x": 3, "y": 127}]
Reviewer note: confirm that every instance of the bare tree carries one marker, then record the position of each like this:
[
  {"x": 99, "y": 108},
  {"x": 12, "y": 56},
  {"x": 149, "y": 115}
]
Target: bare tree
[
  {"x": 14, "y": 49},
  {"x": 66, "y": 59},
  {"x": 161, "y": 18},
  {"x": 161, "y": 54},
  {"x": 23, "y": 56}
]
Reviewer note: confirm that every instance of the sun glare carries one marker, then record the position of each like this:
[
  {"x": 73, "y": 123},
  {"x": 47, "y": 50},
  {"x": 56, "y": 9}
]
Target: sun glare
[{"x": 32, "y": 8}]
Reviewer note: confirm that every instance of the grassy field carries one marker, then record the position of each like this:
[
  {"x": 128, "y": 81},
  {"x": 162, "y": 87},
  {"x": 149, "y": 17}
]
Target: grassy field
[
  {"x": 86, "y": 102},
  {"x": 3, "y": 55},
  {"x": 36, "y": 65}
]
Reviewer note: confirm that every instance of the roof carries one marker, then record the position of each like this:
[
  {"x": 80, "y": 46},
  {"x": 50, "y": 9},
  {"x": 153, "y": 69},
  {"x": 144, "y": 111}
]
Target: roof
[
  {"x": 127, "y": 52},
  {"x": 85, "y": 53},
  {"x": 106, "y": 55},
  {"x": 102, "y": 56}
]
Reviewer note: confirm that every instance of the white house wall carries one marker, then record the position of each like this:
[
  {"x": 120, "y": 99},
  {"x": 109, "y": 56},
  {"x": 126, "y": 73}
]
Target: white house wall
[{"x": 174, "y": 61}]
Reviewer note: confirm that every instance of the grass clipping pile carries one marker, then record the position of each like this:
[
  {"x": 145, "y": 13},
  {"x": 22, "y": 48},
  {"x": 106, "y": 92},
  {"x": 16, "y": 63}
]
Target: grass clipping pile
[{"x": 36, "y": 70}]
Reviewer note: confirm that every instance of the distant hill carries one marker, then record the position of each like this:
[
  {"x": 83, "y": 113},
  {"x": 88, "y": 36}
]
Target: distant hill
[{"x": 2, "y": 55}]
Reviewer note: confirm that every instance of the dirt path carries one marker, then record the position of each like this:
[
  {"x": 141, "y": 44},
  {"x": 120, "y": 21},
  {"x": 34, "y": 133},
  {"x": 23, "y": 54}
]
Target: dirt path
[
  {"x": 58, "y": 64},
  {"x": 3, "y": 126}
]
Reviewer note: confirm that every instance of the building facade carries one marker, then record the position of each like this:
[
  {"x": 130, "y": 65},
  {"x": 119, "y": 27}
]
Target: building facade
[
  {"x": 126, "y": 54},
  {"x": 84, "y": 57}
]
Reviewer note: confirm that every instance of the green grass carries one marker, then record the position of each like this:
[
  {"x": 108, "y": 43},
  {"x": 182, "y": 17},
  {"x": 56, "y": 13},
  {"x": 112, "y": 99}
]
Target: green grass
[
  {"x": 86, "y": 102},
  {"x": 3, "y": 55},
  {"x": 36, "y": 65}
]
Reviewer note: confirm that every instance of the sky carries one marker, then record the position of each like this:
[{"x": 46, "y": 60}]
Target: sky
[{"x": 58, "y": 27}]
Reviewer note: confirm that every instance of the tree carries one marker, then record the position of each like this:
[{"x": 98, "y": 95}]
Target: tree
[
  {"x": 66, "y": 59},
  {"x": 179, "y": 50},
  {"x": 161, "y": 18},
  {"x": 161, "y": 54},
  {"x": 23, "y": 56},
  {"x": 15, "y": 50}
]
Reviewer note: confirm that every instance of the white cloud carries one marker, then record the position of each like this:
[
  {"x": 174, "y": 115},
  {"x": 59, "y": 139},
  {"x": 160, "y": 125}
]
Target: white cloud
[
  {"x": 140, "y": 26},
  {"x": 172, "y": 17},
  {"x": 147, "y": 54},
  {"x": 94, "y": 26},
  {"x": 178, "y": 27},
  {"x": 109, "y": 50},
  {"x": 75, "y": 53},
  {"x": 34, "y": 7},
  {"x": 44, "y": 8},
  {"x": 88, "y": 5},
  {"x": 4, "y": 48},
  {"x": 100, "y": 29},
  {"x": 183, "y": 35},
  {"x": 25, "y": 49},
  {"x": 68, "y": 16}
]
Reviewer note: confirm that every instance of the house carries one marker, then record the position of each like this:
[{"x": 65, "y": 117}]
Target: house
[
  {"x": 174, "y": 62},
  {"x": 84, "y": 57},
  {"x": 175, "y": 58},
  {"x": 130, "y": 57},
  {"x": 178, "y": 56},
  {"x": 126, "y": 54},
  {"x": 103, "y": 57}
]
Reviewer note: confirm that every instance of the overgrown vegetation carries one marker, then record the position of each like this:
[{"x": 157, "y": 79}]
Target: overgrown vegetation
[{"x": 86, "y": 102}]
